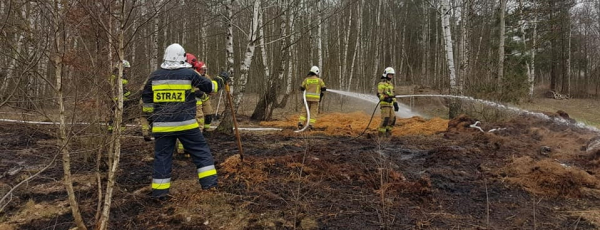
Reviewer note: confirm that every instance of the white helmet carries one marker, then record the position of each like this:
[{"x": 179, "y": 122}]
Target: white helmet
[
  {"x": 388, "y": 70},
  {"x": 174, "y": 57},
  {"x": 314, "y": 70},
  {"x": 126, "y": 64}
]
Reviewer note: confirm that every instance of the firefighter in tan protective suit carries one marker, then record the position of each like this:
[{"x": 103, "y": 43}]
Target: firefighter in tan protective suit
[
  {"x": 207, "y": 111},
  {"x": 204, "y": 111},
  {"x": 385, "y": 92},
  {"x": 314, "y": 87}
]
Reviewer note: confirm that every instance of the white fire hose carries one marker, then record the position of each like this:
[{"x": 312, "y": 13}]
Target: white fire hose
[{"x": 307, "y": 113}]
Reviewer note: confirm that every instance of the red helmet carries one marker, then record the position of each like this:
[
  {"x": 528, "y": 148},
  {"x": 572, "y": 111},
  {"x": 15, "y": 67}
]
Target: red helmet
[
  {"x": 190, "y": 58},
  {"x": 200, "y": 65}
]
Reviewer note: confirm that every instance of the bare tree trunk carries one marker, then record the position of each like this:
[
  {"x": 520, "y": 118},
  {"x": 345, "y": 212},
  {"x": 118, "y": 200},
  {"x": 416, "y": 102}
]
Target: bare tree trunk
[
  {"x": 60, "y": 34},
  {"x": 501, "y": 47},
  {"x": 250, "y": 47},
  {"x": 13, "y": 62},
  {"x": 449, "y": 55},
  {"x": 357, "y": 44},
  {"x": 319, "y": 36},
  {"x": 463, "y": 48},
  {"x": 425, "y": 44},
  {"x": 568, "y": 62},
  {"x": 288, "y": 88},
  {"x": 269, "y": 95},
  {"x": 116, "y": 137},
  {"x": 531, "y": 72},
  {"x": 226, "y": 125},
  {"x": 378, "y": 38},
  {"x": 154, "y": 44}
]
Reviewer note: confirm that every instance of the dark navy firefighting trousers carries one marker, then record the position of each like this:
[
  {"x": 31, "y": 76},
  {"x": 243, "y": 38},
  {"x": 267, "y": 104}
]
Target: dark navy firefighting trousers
[{"x": 195, "y": 144}]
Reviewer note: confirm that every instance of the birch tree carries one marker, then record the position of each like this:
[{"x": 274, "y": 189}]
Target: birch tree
[
  {"x": 268, "y": 98},
  {"x": 501, "y": 47},
  {"x": 250, "y": 47},
  {"x": 226, "y": 125},
  {"x": 531, "y": 64},
  {"x": 445, "y": 12},
  {"x": 319, "y": 35}
]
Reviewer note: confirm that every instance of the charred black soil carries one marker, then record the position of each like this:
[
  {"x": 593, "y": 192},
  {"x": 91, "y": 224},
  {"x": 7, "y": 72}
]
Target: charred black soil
[{"x": 529, "y": 173}]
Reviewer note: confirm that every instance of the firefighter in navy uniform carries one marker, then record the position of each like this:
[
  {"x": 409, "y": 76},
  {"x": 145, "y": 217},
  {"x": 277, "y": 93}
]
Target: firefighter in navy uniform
[
  {"x": 169, "y": 99},
  {"x": 385, "y": 92}
]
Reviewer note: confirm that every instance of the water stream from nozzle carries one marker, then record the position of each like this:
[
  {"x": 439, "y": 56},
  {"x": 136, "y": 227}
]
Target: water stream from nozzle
[
  {"x": 406, "y": 112},
  {"x": 403, "y": 112}
]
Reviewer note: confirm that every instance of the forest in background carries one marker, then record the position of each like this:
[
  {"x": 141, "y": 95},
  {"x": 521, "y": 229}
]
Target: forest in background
[{"x": 274, "y": 43}]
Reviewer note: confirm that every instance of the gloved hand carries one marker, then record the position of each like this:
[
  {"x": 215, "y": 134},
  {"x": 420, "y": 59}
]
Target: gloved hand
[
  {"x": 199, "y": 93},
  {"x": 396, "y": 107},
  {"x": 220, "y": 83},
  {"x": 388, "y": 99},
  {"x": 147, "y": 137},
  {"x": 302, "y": 88},
  {"x": 225, "y": 76}
]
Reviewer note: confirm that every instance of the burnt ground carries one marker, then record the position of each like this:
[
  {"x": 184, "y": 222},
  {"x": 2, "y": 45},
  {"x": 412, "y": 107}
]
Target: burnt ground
[{"x": 528, "y": 174}]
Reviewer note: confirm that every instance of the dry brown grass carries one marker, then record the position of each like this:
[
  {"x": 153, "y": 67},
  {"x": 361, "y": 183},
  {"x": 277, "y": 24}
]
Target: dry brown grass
[
  {"x": 549, "y": 178},
  {"x": 352, "y": 124}
]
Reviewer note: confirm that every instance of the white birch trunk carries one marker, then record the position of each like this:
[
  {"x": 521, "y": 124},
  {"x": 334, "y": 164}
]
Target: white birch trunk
[
  {"x": 378, "y": 38},
  {"x": 263, "y": 51},
  {"x": 13, "y": 62},
  {"x": 319, "y": 36},
  {"x": 501, "y": 46},
  {"x": 288, "y": 88},
  {"x": 531, "y": 71},
  {"x": 250, "y": 47},
  {"x": 346, "y": 47},
  {"x": 357, "y": 44},
  {"x": 448, "y": 45},
  {"x": 402, "y": 46},
  {"x": 229, "y": 40}
]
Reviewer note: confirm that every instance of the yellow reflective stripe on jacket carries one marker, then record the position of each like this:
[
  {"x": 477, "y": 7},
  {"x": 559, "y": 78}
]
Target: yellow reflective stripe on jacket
[
  {"x": 161, "y": 184},
  {"x": 206, "y": 171},
  {"x": 215, "y": 86},
  {"x": 313, "y": 95},
  {"x": 385, "y": 88},
  {"x": 125, "y": 81},
  {"x": 166, "y": 127},
  {"x": 148, "y": 108},
  {"x": 171, "y": 85},
  {"x": 198, "y": 101}
]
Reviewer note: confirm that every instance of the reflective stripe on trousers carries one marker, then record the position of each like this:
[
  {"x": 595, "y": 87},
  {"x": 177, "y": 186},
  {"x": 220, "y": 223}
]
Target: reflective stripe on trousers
[
  {"x": 194, "y": 143},
  {"x": 167, "y": 127}
]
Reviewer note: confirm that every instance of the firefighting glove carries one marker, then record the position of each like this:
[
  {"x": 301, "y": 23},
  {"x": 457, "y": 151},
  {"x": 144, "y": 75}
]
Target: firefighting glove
[
  {"x": 388, "y": 99},
  {"x": 199, "y": 93},
  {"x": 225, "y": 76},
  {"x": 220, "y": 83},
  {"x": 396, "y": 107},
  {"x": 302, "y": 88}
]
